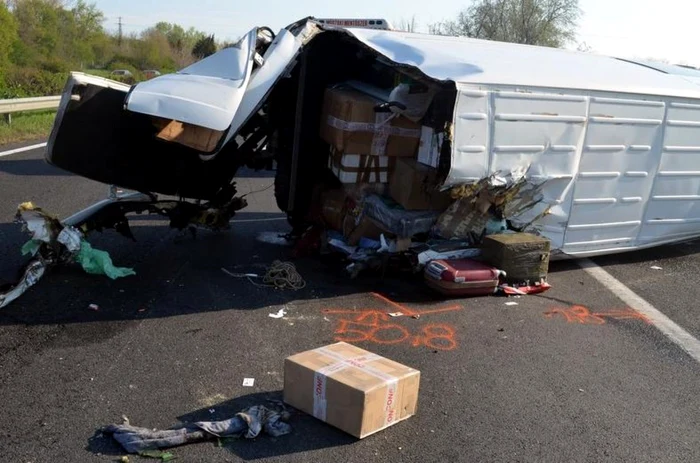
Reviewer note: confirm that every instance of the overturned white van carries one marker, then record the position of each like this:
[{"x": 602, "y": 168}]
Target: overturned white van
[{"x": 610, "y": 149}]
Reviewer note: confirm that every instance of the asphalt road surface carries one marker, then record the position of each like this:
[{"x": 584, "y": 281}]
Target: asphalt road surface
[{"x": 546, "y": 380}]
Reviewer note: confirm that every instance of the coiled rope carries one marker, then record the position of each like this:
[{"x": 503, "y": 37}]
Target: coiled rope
[{"x": 280, "y": 275}]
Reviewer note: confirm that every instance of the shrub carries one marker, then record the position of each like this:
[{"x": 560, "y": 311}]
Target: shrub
[{"x": 30, "y": 82}]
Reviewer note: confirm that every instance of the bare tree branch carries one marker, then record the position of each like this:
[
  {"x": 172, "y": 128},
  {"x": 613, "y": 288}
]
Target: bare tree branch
[{"x": 537, "y": 22}]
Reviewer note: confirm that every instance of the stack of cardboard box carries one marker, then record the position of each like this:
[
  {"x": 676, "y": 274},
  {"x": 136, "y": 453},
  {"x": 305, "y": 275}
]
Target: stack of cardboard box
[
  {"x": 364, "y": 143},
  {"x": 370, "y": 147}
]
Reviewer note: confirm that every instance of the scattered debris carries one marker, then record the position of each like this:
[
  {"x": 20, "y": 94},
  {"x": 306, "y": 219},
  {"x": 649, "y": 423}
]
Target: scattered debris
[
  {"x": 525, "y": 289},
  {"x": 240, "y": 275},
  {"x": 279, "y": 314},
  {"x": 273, "y": 238},
  {"x": 97, "y": 262},
  {"x": 212, "y": 411},
  {"x": 31, "y": 247},
  {"x": 32, "y": 273},
  {"x": 71, "y": 238},
  {"x": 430, "y": 255},
  {"x": 248, "y": 423},
  {"x": 248, "y": 382},
  {"x": 51, "y": 244},
  {"x": 157, "y": 454},
  {"x": 280, "y": 275},
  {"x": 94, "y": 307}
]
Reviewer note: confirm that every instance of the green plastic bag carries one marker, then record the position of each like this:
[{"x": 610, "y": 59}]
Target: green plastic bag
[
  {"x": 98, "y": 262},
  {"x": 31, "y": 247}
]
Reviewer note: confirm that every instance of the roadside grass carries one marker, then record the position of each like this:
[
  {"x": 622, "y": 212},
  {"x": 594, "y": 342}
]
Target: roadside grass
[{"x": 26, "y": 126}]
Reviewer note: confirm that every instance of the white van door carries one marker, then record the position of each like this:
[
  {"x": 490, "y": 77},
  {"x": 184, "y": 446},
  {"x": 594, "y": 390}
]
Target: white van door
[{"x": 223, "y": 90}]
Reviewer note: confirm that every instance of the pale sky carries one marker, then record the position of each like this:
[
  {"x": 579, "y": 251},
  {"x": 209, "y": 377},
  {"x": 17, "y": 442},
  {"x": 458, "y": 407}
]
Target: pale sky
[{"x": 659, "y": 29}]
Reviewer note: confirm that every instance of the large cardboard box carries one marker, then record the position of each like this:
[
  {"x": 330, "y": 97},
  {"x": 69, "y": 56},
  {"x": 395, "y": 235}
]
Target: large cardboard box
[
  {"x": 192, "y": 136},
  {"x": 365, "y": 228},
  {"x": 414, "y": 186},
  {"x": 351, "y": 388},
  {"x": 361, "y": 168},
  {"x": 350, "y": 124},
  {"x": 333, "y": 208},
  {"x": 523, "y": 256}
]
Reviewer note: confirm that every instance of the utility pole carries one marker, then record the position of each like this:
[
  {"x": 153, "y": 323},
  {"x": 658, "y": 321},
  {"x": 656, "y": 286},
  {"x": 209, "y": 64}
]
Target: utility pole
[{"x": 119, "y": 38}]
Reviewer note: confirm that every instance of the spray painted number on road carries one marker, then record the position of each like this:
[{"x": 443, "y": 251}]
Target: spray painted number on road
[
  {"x": 379, "y": 327},
  {"x": 583, "y": 315}
]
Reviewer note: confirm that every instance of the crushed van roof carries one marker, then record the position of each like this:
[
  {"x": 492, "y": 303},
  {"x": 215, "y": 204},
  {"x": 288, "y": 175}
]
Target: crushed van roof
[{"x": 473, "y": 61}]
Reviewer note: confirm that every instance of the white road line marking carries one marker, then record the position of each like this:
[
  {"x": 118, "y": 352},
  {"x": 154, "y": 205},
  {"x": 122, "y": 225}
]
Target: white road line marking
[
  {"x": 668, "y": 327},
  {"x": 24, "y": 148}
]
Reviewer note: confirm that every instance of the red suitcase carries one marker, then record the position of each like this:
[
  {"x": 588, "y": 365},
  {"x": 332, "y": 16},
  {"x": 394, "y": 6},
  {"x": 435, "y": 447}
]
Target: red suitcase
[{"x": 461, "y": 277}]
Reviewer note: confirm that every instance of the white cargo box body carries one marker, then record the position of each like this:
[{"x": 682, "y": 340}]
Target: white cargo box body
[
  {"x": 611, "y": 148},
  {"x": 617, "y": 144}
]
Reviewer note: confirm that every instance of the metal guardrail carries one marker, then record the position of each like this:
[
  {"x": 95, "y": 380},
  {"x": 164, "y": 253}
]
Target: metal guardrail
[{"x": 28, "y": 104}]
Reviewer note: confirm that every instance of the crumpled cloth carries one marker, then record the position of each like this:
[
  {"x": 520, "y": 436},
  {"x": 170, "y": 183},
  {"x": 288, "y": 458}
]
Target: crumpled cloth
[{"x": 247, "y": 423}]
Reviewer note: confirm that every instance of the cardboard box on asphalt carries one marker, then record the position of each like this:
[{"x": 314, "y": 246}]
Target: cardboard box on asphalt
[
  {"x": 523, "y": 256},
  {"x": 350, "y": 124},
  {"x": 414, "y": 186},
  {"x": 192, "y": 136},
  {"x": 351, "y": 388}
]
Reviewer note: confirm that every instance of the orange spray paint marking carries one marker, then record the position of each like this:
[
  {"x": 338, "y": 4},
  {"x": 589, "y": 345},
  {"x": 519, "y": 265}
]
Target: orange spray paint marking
[
  {"x": 582, "y": 315},
  {"x": 373, "y": 325}
]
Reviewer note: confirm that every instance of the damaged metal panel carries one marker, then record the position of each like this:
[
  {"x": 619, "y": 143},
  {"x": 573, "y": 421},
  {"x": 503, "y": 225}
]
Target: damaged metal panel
[
  {"x": 205, "y": 94},
  {"x": 534, "y": 135},
  {"x": 481, "y": 62},
  {"x": 278, "y": 60},
  {"x": 222, "y": 91}
]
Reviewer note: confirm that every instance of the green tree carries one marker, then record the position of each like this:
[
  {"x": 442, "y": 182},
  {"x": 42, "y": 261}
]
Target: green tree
[
  {"x": 153, "y": 51},
  {"x": 51, "y": 34},
  {"x": 204, "y": 47},
  {"x": 38, "y": 26},
  {"x": 550, "y": 23},
  {"x": 8, "y": 36}
]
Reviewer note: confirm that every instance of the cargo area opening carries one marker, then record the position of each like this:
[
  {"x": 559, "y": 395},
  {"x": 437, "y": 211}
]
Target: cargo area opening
[{"x": 335, "y": 59}]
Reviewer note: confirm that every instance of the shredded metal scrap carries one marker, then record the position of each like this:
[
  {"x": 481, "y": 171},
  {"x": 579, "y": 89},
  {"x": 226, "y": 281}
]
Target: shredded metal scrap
[
  {"x": 32, "y": 273},
  {"x": 52, "y": 243}
]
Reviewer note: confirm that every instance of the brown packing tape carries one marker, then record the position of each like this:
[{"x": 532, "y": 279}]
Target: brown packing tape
[
  {"x": 369, "y": 169},
  {"x": 350, "y": 123},
  {"x": 359, "y": 362},
  {"x": 372, "y": 165},
  {"x": 380, "y": 126}
]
